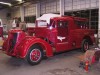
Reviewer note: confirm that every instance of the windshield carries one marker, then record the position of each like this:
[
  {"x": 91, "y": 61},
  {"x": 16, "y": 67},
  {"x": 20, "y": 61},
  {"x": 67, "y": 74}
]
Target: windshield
[{"x": 41, "y": 23}]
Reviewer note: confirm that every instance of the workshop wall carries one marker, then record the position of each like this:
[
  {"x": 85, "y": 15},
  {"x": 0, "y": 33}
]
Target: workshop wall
[
  {"x": 50, "y": 6},
  {"x": 3, "y": 16},
  {"x": 80, "y": 4}
]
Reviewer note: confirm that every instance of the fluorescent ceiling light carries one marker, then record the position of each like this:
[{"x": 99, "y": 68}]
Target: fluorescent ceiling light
[
  {"x": 19, "y": 0},
  {"x": 6, "y": 3}
]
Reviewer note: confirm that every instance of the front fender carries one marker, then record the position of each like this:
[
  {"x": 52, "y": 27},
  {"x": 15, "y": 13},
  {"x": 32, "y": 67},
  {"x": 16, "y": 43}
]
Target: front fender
[{"x": 25, "y": 44}]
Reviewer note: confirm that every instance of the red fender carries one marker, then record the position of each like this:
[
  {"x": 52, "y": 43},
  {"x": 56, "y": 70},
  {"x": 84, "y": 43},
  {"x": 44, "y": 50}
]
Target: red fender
[{"x": 25, "y": 44}]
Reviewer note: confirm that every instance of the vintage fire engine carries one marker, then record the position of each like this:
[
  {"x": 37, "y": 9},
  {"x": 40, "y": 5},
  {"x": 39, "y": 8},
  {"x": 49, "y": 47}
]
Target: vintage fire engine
[{"x": 57, "y": 34}]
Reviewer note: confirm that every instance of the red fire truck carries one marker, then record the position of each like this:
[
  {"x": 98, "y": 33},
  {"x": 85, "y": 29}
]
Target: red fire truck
[{"x": 58, "y": 35}]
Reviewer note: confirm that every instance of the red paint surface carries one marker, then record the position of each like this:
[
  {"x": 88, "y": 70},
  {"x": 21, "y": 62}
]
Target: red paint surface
[{"x": 58, "y": 38}]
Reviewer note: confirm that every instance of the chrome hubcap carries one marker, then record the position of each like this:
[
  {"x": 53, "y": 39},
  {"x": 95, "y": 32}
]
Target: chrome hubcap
[{"x": 35, "y": 55}]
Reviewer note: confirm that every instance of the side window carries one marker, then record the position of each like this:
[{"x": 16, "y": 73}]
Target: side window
[
  {"x": 62, "y": 24},
  {"x": 81, "y": 23},
  {"x": 66, "y": 24}
]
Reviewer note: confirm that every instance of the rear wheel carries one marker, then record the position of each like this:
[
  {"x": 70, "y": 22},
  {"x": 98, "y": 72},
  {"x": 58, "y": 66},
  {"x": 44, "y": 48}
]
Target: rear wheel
[
  {"x": 34, "y": 55},
  {"x": 85, "y": 45}
]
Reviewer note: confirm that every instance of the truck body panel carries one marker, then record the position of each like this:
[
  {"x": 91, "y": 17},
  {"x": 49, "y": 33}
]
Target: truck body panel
[{"x": 62, "y": 34}]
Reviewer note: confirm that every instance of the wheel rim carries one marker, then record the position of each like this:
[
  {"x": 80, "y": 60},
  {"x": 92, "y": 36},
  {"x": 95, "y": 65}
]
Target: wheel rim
[
  {"x": 35, "y": 55},
  {"x": 86, "y": 46}
]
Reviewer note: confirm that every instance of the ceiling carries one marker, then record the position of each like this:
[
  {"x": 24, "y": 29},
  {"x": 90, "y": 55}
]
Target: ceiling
[{"x": 15, "y": 2}]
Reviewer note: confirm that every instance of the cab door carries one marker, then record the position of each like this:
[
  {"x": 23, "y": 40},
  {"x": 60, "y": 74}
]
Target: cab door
[{"x": 62, "y": 35}]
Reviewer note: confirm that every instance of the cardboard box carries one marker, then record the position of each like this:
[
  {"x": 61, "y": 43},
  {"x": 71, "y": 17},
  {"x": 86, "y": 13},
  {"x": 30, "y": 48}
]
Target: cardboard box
[{"x": 87, "y": 56}]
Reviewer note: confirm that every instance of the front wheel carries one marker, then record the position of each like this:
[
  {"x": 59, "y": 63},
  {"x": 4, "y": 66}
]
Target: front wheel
[
  {"x": 85, "y": 45},
  {"x": 35, "y": 55}
]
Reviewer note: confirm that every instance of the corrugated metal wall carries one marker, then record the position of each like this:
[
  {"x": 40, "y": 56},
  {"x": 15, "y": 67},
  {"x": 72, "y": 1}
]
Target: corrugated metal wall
[
  {"x": 30, "y": 10},
  {"x": 50, "y": 6},
  {"x": 80, "y": 4}
]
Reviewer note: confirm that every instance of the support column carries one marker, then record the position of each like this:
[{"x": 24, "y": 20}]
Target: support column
[
  {"x": 37, "y": 10},
  {"x": 22, "y": 13},
  {"x": 62, "y": 7},
  {"x": 99, "y": 25}
]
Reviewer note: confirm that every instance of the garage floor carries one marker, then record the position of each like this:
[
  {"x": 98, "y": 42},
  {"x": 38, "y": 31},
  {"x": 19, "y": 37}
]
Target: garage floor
[{"x": 61, "y": 64}]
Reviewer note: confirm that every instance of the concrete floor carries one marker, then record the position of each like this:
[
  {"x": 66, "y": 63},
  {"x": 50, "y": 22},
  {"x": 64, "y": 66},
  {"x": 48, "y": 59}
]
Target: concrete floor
[{"x": 61, "y": 64}]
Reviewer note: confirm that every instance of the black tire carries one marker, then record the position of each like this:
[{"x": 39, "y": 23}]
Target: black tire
[
  {"x": 85, "y": 45},
  {"x": 34, "y": 58}
]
